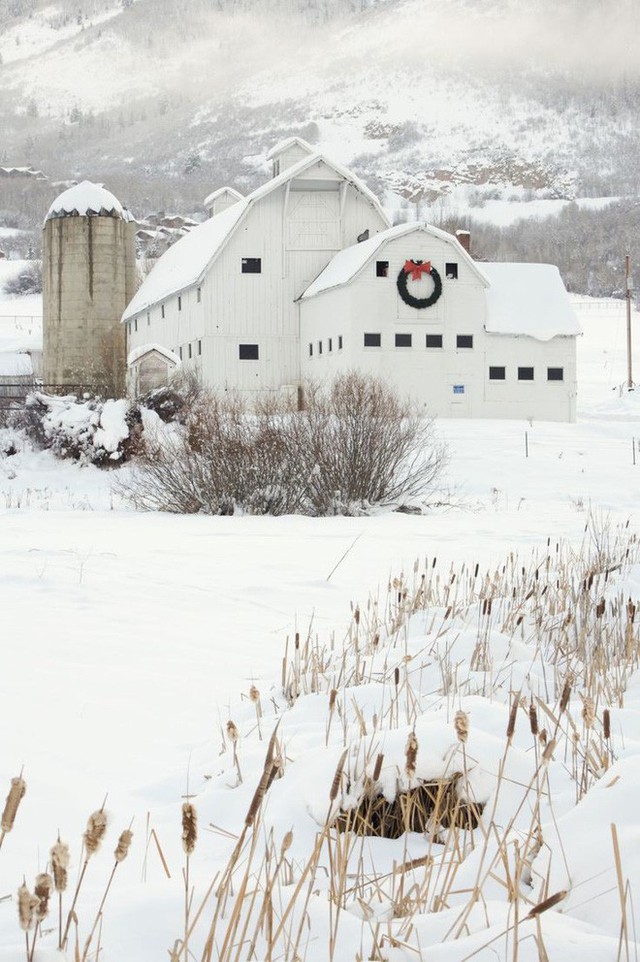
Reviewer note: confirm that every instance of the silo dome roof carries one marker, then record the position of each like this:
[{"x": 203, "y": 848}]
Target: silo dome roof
[{"x": 87, "y": 200}]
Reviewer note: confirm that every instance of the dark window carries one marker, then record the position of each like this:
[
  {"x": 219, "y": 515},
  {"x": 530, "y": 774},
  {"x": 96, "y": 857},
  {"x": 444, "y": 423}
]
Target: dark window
[
  {"x": 251, "y": 265},
  {"x": 179, "y": 303},
  {"x": 372, "y": 340},
  {"x": 451, "y": 271},
  {"x": 434, "y": 340},
  {"x": 464, "y": 340},
  {"x": 497, "y": 373},
  {"x": 276, "y": 168},
  {"x": 199, "y": 294},
  {"x": 382, "y": 268},
  {"x": 180, "y": 352},
  {"x": 340, "y": 342},
  {"x": 135, "y": 324},
  {"x": 319, "y": 347},
  {"x": 458, "y": 388},
  {"x": 403, "y": 340},
  {"x": 555, "y": 374},
  {"x": 199, "y": 347},
  {"x": 248, "y": 352},
  {"x": 330, "y": 348},
  {"x": 162, "y": 310},
  {"x": 311, "y": 350},
  {"x": 525, "y": 374},
  {"x": 148, "y": 319},
  {"x": 189, "y": 350}
]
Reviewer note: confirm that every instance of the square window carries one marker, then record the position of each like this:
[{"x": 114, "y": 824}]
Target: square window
[
  {"x": 248, "y": 352},
  {"x": 451, "y": 271},
  {"x": 497, "y": 373},
  {"x": 525, "y": 374},
  {"x": 340, "y": 342},
  {"x": 199, "y": 347},
  {"x": 189, "y": 350},
  {"x": 162, "y": 310},
  {"x": 458, "y": 388},
  {"x": 434, "y": 340},
  {"x": 311, "y": 350},
  {"x": 319, "y": 347},
  {"x": 382, "y": 268},
  {"x": 330, "y": 347},
  {"x": 179, "y": 303},
  {"x": 403, "y": 340},
  {"x": 199, "y": 295},
  {"x": 251, "y": 265},
  {"x": 464, "y": 340},
  {"x": 372, "y": 340},
  {"x": 555, "y": 374}
]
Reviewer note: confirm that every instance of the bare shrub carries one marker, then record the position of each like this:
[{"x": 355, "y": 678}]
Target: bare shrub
[{"x": 353, "y": 446}]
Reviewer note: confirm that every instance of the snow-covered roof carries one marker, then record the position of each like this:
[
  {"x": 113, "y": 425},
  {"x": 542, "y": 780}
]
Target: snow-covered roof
[
  {"x": 184, "y": 264},
  {"x": 138, "y": 352},
  {"x": 528, "y": 299},
  {"x": 350, "y": 261},
  {"x": 289, "y": 142},
  {"x": 219, "y": 192},
  {"x": 87, "y": 200},
  {"x": 13, "y": 364}
]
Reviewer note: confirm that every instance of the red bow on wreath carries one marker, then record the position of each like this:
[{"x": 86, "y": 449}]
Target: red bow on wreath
[{"x": 417, "y": 270}]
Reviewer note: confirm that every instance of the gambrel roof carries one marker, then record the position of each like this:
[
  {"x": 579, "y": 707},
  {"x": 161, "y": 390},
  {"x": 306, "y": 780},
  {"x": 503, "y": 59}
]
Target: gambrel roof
[{"x": 185, "y": 263}]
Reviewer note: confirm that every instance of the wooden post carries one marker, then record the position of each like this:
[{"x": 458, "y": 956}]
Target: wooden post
[{"x": 628, "y": 296}]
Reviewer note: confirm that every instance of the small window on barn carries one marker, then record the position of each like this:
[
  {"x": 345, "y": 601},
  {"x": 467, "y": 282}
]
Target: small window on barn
[
  {"x": 179, "y": 303},
  {"x": 403, "y": 340},
  {"x": 330, "y": 345},
  {"x": 276, "y": 168},
  {"x": 525, "y": 374},
  {"x": 451, "y": 271},
  {"x": 135, "y": 324},
  {"x": 248, "y": 352},
  {"x": 319, "y": 347},
  {"x": 340, "y": 342},
  {"x": 382, "y": 268},
  {"x": 189, "y": 351},
  {"x": 372, "y": 340},
  {"x": 311, "y": 350},
  {"x": 251, "y": 265},
  {"x": 199, "y": 348},
  {"x": 148, "y": 319},
  {"x": 464, "y": 340},
  {"x": 162, "y": 310},
  {"x": 434, "y": 340},
  {"x": 180, "y": 353},
  {"x": 555, "y": 374},
  {"x": 458, "y": 388},
  {"x": 497, "y": 373},
  {"x": 199, "y": 295}
]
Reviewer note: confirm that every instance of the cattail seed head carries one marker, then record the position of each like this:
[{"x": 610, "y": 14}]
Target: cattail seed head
[
  {"x": 60, "y": 865},
  {"x": 542, "y": 737},
  {"x": 549, "y": 750},
  {"x": 333, "y": 694},
  {"x": 254, "y": 695},
  {"x": 566, "y": 695},
  {"x": 533, "y": 719},
  {"x": 606, "y": 723},
  {"x": 511, "y": 724},
  {"x": 588, "y": 711},
  {"x": 15, "y": 796},
  {"x": 396, "y": 676},
  {"x": 286, "y": 843},
  {"x": 122, "y": 848},
  {"x": 337, "y": 778},
  {"x": 232, "y": 732},
  {"x": 410, "y": 754},
  {"x": 189, "y": 827},
  {"x": 377, "y": 768},
  {"x": 96, "y": 828},
  {"x": 27, "y": 904},
  {"x": 461, "y": 725},
  {"x": 547, "y": 904},
  {"x": 42, "y": 890}
]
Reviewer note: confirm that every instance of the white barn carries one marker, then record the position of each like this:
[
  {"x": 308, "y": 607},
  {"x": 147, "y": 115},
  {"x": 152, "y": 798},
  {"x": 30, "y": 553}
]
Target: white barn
[{"x": 305, "y": 278}]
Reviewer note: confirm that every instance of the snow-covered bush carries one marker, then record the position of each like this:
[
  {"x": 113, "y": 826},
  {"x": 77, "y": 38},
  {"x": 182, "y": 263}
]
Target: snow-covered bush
[
  {"x": 352, "y": 447},
  {"x": 27, "y": 281}
]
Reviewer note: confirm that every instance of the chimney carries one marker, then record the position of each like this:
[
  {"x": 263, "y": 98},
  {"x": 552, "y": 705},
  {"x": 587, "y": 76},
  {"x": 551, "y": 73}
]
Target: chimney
[{"x": 464, "y": 239}]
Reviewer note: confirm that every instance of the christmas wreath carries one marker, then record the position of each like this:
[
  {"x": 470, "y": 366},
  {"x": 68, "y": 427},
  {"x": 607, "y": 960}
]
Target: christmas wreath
[{"x": 417, "y": 269}]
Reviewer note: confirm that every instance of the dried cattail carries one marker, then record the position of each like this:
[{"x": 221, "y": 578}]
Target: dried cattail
[
  {"x": 511, "y": 724},
  {"x": 15, "y": 796},
  {"x": 606, "y": 723},
  {"x": 96, "y": 828},
  {"x": 189, "y": 827},
  {"x": 396, "y": 676},
  {"x": 588, "y": 711},
  {"x": 232, "y": 731},
  {"x": 461, "y": 725},
  {"x": 122, "y": 848},
  {"x": 377, "y": 768},
  {"x": 286, "y": 843},
  {"x": 547, "y": 904},
  {"x": 410, "y": 754},
  {"x": 60, "y": 864},
  {"x": 42, "y": 890},
  {"x": 337, "y": 778},
  {"x": 542, "y": 737},
  {"x": 27, "y": 904},
  {"x": 254, "y": 695},
  {"x": 333, "y": 694},
  {"x": 566, "y": 695},
  {"x": 533, "y": 719},
  {"x": 549, "y": 750},
  {"x": 356, "y": 616}
]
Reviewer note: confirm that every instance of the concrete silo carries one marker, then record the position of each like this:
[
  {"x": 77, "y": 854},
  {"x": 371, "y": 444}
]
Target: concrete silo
[{"x": 89, "y": 277}]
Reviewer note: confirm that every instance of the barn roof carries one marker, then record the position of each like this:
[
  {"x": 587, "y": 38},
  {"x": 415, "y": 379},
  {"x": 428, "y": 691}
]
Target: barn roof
[
  {"x": 219, "y": 192},
  {"x": 289, "y": 142},
  {"x": 87, "y": 200},
  {"x": 528, "y": 299},
  {"x": 349, "y": 262},
  {"x": 186, "y": 262}
]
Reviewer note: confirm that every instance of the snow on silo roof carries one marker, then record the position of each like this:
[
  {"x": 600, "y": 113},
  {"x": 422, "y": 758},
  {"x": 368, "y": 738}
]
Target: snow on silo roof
[{"x": 87, "y": 200}]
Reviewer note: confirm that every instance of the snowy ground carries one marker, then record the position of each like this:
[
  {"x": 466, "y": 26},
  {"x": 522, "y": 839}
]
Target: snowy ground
[{"x": 130, "y": 639}]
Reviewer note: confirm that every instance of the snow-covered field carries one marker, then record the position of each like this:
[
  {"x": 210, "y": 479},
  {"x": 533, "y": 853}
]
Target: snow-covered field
[{"x": 129, "y": 641}]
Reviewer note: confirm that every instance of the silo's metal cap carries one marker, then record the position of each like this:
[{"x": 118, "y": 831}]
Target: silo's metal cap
[{"x": 87, "y": 200}]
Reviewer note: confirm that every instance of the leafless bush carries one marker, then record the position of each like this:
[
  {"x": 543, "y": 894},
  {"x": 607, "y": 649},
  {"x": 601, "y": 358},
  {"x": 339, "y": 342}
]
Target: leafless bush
[{"x": 353, "y": 446}]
